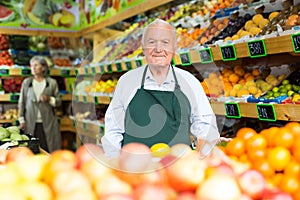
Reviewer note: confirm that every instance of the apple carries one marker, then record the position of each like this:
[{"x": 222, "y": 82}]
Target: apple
[
  {"x": 148, "y": 191},
  {"x": 94, "y": 169},
  {"x": 78, "y": 194},
  {"x": 222, "y": 168},
  {"x": 180, "y": 150},
  {"x": 186, "y": 196},
  {"x": 3, "y": 154},
  {"x": 111, "y": 184},
  {"x": 59, "y": 160},
  {"x": 16, "y": 154},
  {"x": 117, "y": 197},
  {"x": 219, "y": 187},
  {"x": 32, "y": 168},
  {"x": 135, "y": 157},
  {"x": 69, "y": 180},
  {"x": 186, "y": 173},
  {"x": 168, "y": 160},
  {"x": 276, "y": 194},
  {"x": 88, "y": 151},
  {"x": 9, "y": 175},
  {"x": 252, "y": 183},
  {"x": 36, "y": 190}
]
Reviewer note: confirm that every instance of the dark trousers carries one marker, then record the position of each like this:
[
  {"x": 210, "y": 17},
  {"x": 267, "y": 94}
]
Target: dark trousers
[{"x": 40, "y": 133}]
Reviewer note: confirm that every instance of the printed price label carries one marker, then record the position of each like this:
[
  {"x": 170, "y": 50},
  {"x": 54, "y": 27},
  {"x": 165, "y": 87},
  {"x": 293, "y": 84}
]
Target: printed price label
[
  {"x": 185, "y": 59},
  {"x": 228, "y": 52},
  {"x": 119, "y": 67},
  {"x": 65, "y": 72},
  {"x": 128, "y": 65},
  {"x": 206, "y": 55},
  {"x": 296, "y": 42},
  {"x": 102, "y": 69},
  {"x": 93, "y": 70},
  {"x": 109, "y": 68},
  {"x": 232, "y": 110},
  {"x": 266, "y": 112},
  {"x": 14, "y": 97},
  {"x": 4, "y": 72},
  {"x": 138, "y": 63},
  {"x": 26, "y": 72},
  {"x": 257, "y": 48},
  {"x": 86, "y": 70}
]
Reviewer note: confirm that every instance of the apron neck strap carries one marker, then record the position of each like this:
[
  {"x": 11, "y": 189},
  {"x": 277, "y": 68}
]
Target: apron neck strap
[{"x": 144, "y": 75}]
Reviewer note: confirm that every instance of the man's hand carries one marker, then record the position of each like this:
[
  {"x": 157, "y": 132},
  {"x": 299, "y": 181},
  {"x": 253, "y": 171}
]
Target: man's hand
[
  {"x": 22, "y": 125},
  {"x": 223, "y": 139}
]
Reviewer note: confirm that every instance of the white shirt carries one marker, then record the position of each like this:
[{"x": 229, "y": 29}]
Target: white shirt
[{"x": 203, "y": 120}]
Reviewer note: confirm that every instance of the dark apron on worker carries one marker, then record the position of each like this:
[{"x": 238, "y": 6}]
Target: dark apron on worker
[{"x": 155, "y": 116}]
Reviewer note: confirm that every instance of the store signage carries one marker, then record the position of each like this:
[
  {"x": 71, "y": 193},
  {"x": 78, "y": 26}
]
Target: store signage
[
  {"x": 84, "y": 99},
  {"x": 102, "y": 69},
  {"x": 185, "y": 58},
  {"x": 26, "y": 72},
  {"x": 206, "y": 55},
  {"x": 96, "y": 99},
  {"x": 109, "y": 68},
  {"x": 128, "y": 65},
  {"x": 86, "y": 70},
  {"x": 296, "y": 42},
  {"x": 228, "y": 52},
  {"x": 257, "y": 48},
  {"x": 119, "y": 67},
  {"x": 4, "y": 72},
  {"x": 14, "y": 97},
  {"x": 232, "y": 110},
  {"x": 266, "y": 112},
  {"x": 138, "y": 63},
  {"x": 65, "y": 72}
]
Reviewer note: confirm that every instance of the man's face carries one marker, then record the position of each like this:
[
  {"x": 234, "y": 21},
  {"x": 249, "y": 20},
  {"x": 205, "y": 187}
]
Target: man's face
[{"x": 159, "y": 45}]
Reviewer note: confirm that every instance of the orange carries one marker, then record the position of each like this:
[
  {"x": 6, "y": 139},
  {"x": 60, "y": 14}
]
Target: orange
[
  {"x": 255, "y": 72},
  {"x": 257, "y": 154},
  {"x": 256, "y": 142},
  {"x": 264, "y": 168},
  {"x": 294, "y": 127},
  {"x": 245, "y": 133},
  {"x": 296, "y": 149},
  {"x": 296, "y": 194},
  {"x": 278, "y": 158},
  {"x": 289, "y": 184},
  {"x": 234, "y": 78},
  {"x": 270, "y": 135},
  {"x": 284, "y": 138},
  {"x": 277, "y": 178},
  {"x": 292, "y": 169},
  {"x": 236, "y": 147}
]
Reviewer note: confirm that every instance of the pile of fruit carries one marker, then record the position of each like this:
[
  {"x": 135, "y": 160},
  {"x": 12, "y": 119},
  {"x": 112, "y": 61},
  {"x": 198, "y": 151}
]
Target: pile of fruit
[
  {"x": 4, "y": 42},
  {"x": 134, "y": 175},
  {"x": 10, "y": 114},
  {"x": 12, "y": 85},
  {"x": 102, "y": 86},
  {"x": 12, "y": 133},
  {"x": 5, "y": 58},
  {"x": 274, "y": 152}
]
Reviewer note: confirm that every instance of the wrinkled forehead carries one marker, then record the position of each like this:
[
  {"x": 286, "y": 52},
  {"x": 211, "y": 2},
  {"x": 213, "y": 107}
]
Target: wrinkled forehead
[{"x": 159, "y": 33}]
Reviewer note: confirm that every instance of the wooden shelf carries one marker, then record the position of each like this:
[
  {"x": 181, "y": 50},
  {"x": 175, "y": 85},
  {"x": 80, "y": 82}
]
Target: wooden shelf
[
  {"x": 285, "y": 112},
  {"x": 13, "y": 97},
  {"x": 28, "y": 32},
  {"x": 93, "y": 99},
  {"x": 12, "y": 71},
  {"x": 66, "y": 124}
]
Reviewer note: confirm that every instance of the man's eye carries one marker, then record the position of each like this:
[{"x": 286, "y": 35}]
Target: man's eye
[{"x": 166, "y": 42}]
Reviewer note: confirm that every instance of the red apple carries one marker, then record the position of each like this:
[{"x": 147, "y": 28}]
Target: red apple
[
  {"x": 69, "y": 180},
  {"x": 168, "y": 160},
  {"x": 186, "y": 196},
  {"x": 16, "y": 154},
  {"x": 111, "y": 184},
  {"x": 186, "y": 173},
  {"x": 87, "y": 152},
  {"x": 135, "y": 158},
  {"x": 276, "y": 194},
  {"x": 149, "y": 191},
  {"x": 252, "y": 183},
  {"x": 219, "y": 187}
]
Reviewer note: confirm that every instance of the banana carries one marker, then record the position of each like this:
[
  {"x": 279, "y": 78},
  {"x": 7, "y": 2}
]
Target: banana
[{"x": 28, "y": 5}]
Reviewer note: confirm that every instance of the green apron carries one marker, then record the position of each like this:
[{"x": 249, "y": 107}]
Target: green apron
[{"x": 155, "y": 116}]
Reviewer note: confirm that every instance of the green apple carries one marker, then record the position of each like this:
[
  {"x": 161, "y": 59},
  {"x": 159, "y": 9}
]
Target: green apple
[
  {"x": 285, "y": 82},
  {"x": 290, "y": 93},
  {"x": 275, "y": 89}
]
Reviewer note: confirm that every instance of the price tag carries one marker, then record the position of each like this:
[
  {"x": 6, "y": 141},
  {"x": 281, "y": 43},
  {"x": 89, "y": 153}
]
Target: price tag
[
  {"x": 84, "y": 99},
  {"x": 64, "y": 72},
  {"x": 185, "y": 59},
  {"x": 206, "y": 55},
  {"x": 4, "y": 72},
  {"x": 266, "y": 112},
  {"x": 296, "y": 42},
  {"x": 119, "y": 67},
  {"x": 76, "y": 72},
  {"x": 109, "y": 68},
  {"x": 86, "y": 70},
  {"x": 102, "y": 69},
  {"x": 76, "y": 98},
  {"x": 93, "y": 70},
  {"x": 128, "y": 65},
  {"x": 14, "y": 97},
  {"x": 138, "y": 63},
  {"x": 26, "y": 72},
  {"x": 96, "y": 99},
  {"x": 232, "y": 110},
  {"x": 257, "y": 48},
  {"x": 228, "y": 52}
]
